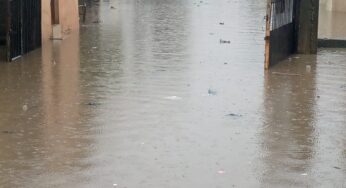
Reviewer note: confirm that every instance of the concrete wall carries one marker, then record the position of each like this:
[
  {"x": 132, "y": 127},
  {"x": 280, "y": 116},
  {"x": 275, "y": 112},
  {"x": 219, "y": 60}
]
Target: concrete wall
[
  {"x": 334, "y": 5},
  {"x": 68, "y": 17},
  {"x": 2, "y": 21}
]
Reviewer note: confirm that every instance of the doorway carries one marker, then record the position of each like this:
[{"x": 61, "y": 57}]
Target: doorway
[
  {"x": 3, "y": 29},
  {"x": 280, "y": 31},
  {"x": 20, "y": 32}
]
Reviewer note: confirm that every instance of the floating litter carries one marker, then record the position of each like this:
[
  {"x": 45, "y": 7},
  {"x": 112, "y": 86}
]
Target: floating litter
[{"x": 173, "y": 98}]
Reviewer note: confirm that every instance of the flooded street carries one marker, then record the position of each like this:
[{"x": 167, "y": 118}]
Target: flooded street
[{"x": 168, "y": 94}]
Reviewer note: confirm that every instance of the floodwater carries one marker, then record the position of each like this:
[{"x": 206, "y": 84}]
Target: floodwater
[{"x": 148, "y": 96}]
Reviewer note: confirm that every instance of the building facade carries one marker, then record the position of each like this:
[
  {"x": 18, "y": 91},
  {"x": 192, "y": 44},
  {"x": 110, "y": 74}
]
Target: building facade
[
  {"x": 26, "y": 24},
  {"x": 335, "y": 5},
  {"x": 59, "y": 18}
]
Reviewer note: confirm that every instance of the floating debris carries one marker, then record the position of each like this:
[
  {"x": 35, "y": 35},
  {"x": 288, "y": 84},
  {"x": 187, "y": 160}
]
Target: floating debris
[
  {"x": 308, "y": 68},
  {"x": 225, "y": 41},
  {"x": 7, "y": 132},
  {"x": 234, "y": 115},
  {"x": 173, "y": 98},
  {"x": 97, "y": 21},
  {"x": 285, "y": 74},
  {"x": 221, "y": 172},
  {"x": 93, "y": 104},
  {"x": 25, "y": 107},
  {"x": 211, "y": 92}
]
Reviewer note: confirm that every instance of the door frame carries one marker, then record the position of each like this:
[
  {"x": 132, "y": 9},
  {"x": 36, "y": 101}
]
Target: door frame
[{"x": 28, "y": 35}]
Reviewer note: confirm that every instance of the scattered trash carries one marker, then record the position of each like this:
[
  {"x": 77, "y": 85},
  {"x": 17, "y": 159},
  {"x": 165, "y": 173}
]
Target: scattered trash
[
  {"x": 225, "y": 63},
  {"x": 308, "y": 68},
  {"x": 94, "y": 47},
  {"x": 93, "y": 104},
  {"x": 173, "y": 98},
  {"x": 112, "y": 7},
  {"x": 336, "y": 167},
  {"x": 304, "y": 174},
  {"x": 221, "y": 172},
  {"x": 25, "y": 107},
  {"x": 7, "y": 132},
  {"x": 234, "y": 115},
  {"x": 222, "y": 23},
  {"x": 225, "y": 41},
  {"x": 97, "y": 21},
  {"x": 114, "y": 184},
  {"x": 211, "y": 92}
]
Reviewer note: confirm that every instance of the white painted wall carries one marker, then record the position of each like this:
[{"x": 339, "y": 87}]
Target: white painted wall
[{"x": 334, "y": 5}]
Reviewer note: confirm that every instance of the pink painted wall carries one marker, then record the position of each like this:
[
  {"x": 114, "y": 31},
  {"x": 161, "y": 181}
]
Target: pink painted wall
[{"x": 68, "y": 16}]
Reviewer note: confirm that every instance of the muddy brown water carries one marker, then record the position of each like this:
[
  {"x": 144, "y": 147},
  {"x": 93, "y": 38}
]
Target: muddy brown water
[{"x": 147, "y": 96}]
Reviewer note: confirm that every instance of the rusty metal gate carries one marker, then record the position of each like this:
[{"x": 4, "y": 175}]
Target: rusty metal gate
[
  {"x": 280, "y": 31},
  {"x": 24, "y": 20}
]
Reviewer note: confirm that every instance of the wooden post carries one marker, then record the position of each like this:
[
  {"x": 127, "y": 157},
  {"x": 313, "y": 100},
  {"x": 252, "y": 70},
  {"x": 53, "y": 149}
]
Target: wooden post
[
  {"x": 307, "y": 26},
  {"x": 267, "y": 37}
]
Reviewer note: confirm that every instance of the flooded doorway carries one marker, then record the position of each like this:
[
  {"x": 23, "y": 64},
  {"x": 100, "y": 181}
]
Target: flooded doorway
[
  {"x": 280, "y": 32},
  {"x": 292, "y": 27},
  {"x": 3, "y": 31},
  {"x": 21, "y": 29}
]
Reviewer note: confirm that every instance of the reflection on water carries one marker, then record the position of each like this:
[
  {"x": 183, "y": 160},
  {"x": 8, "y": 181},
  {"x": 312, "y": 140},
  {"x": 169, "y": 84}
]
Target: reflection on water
[
  {"x": 288, "y": 132},
  {"x": 127, "y": 103},
  {"x": 298, "y": 148},
  {"x": 41, "y": 126}
]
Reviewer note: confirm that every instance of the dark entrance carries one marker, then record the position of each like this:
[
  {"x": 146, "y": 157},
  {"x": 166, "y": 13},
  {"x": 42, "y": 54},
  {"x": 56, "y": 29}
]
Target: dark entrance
[
  {"x": 3, "y": 29},
  {"x": 22, "y": 30},
  {"x": 292, "y": 27}
]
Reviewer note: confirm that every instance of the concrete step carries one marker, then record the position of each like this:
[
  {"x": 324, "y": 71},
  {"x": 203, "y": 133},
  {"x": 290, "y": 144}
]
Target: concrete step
[{"x": 331, "y": 43}]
